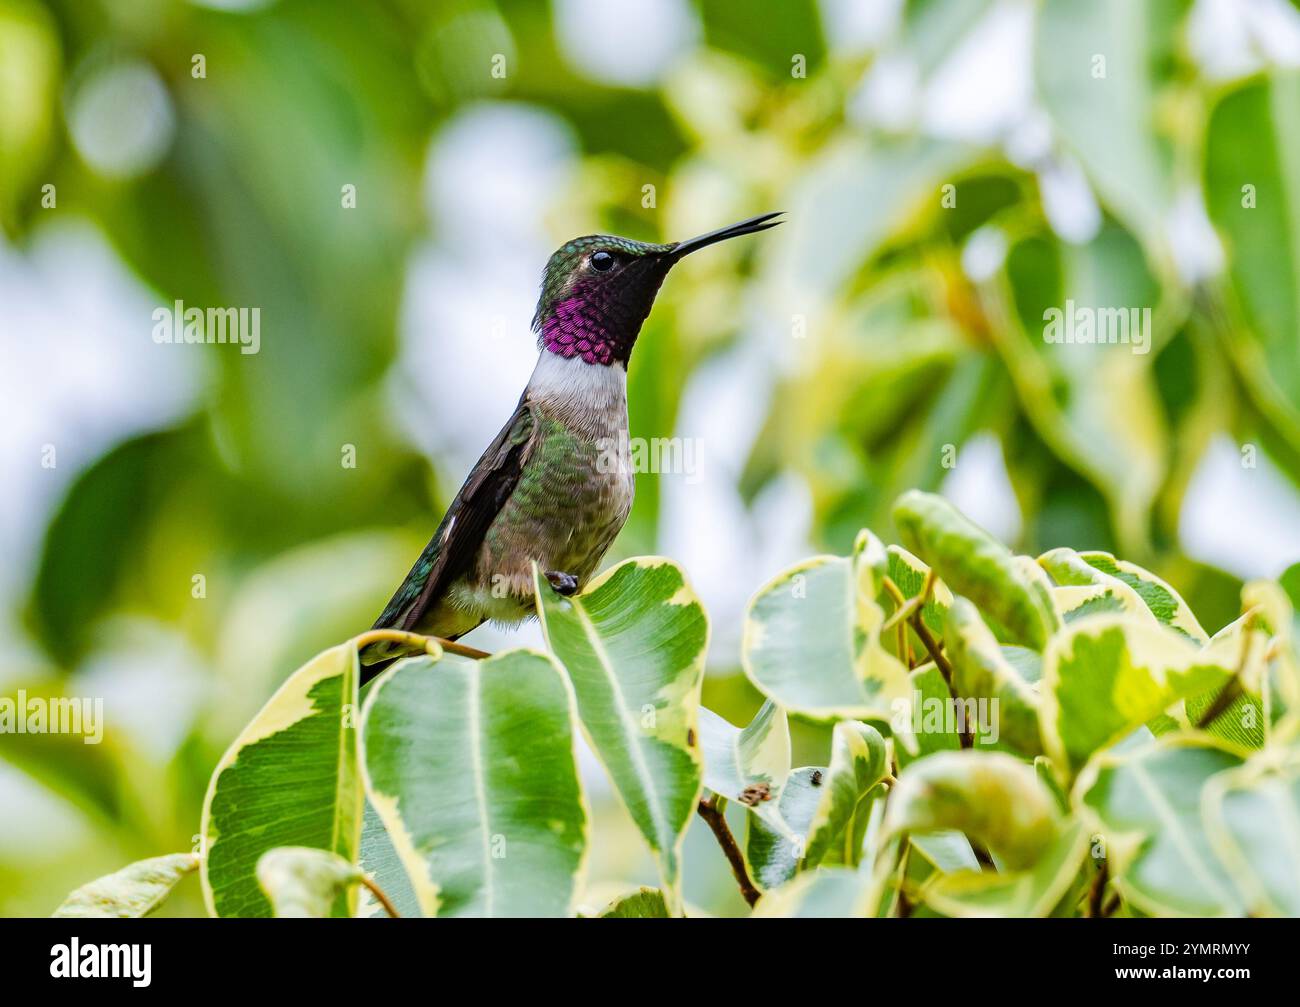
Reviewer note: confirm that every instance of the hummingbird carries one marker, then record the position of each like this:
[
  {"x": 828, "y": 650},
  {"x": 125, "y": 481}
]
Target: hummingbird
[{"x": 556, "y": 485}]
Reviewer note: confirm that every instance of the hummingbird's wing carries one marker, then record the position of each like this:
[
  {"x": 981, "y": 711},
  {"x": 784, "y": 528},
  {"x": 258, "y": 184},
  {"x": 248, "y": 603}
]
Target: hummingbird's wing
[{"x": 456, "y": 543}]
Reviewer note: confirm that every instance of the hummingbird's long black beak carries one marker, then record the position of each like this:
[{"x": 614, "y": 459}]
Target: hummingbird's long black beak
[{"x": 750, "y": 226}]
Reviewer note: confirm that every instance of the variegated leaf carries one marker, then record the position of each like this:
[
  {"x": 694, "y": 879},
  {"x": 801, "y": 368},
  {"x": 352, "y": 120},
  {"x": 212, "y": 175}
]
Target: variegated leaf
[
  {"x": 471, "y": 767},
  {"x": 1011, "y": 593},
  {"x": 993, "y": 797},
  {"x": 746, "y": 765},
  {"x": 290, "y": 779},
  {"x": 136, "y": 890},
  {"x": 827, "y": 893},
  {"x": 643, "y": 904},
  {"x": 858, "y": 763},
  {"x": 1033, "y": 892},
  {"x": 1252, "y": 819},
  {"x": 633, "y": 644},
  {"x": 1148, "y": 802},
  {"x": 981, "y": 672},
  {"x": 303, "y": 883},
  {"x": 812, "y": 643},
  {"x": 778, "y": 837},
  {"x": 1105, "y": 676},
  {"x": 1117, "y": 586}
]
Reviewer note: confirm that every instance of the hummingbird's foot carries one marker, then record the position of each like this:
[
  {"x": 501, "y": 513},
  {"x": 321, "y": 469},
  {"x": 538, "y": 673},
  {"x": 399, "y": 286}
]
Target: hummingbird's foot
[{"x": 562, "y": 583}]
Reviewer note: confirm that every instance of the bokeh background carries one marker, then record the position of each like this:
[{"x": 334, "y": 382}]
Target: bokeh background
[{"x": 950, "y": 168}]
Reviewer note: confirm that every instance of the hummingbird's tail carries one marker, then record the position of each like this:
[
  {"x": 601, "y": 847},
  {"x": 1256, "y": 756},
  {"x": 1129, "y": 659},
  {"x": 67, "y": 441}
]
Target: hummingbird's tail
[{"x": 369, "y": 672}]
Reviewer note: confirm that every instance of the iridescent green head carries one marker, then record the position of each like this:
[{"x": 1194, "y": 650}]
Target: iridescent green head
[{"x": 598, "y": 290}]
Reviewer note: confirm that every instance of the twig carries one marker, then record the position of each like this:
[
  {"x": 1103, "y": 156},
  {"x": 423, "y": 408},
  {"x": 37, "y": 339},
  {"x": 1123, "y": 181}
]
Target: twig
[
  {"x": 1096, "y": 890},
  {"x": 381, "y": 898},
  {"x": 722, "y": 832},
  {"x": 1235, "y": 687},
  {"x": 904, "y": 650},
  {"x": 419, "y": 640},
  {"x": 894, "y": 592}
]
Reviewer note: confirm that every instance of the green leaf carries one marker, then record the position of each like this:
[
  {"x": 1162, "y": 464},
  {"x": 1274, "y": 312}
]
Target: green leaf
[
  {"x": 745, "y": 765},
  {"x": 634, "y": 644},
  {"x": 981, "y": 671},
  {"x": 1097, "y": 407},
  {"x": 1251, "y": 173},
  {"x": 933, "y": 716},
  {"x": 973, "y": 563},
  {"x": 643, "y": 904},
  {"x": 827, "y": 893},
  {"x": 134, "y": 891},
  {"x": 812, "y": 642},
  {"x": 1125, "y": 581},
  {"x": 1107, "y": 675},
  {"x": 858, "y": 763},
  {"x": 29, "y": 53},
  {"x": 1252, "y": 818},
  {"x": 305, "y": 883},
  {"x": 1012, "y": 894},
  {"x": 1080, "y": 601},
  {"x": 1148, "y": 805},
  {"x": 909, "y": 574},
  {"x": 1275, "y": 605},
  {"x": 289, "y": 779},
  {"x": 947, "y": 851},
  {"x": 471, "y": 767},
  {"x": 379, "y": 859},
  {"x": 993, "y": 797},
  {"x": 778, "y": 836}
]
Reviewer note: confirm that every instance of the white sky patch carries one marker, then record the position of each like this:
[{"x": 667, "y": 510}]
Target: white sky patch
[
  {"x": 1275, "y": 26},
  {"x": 852, "y": 27},
  {"x": 1197, "y": 251},
  {"x": 890, "y": 95},
  {"x": 1219, "y": 39},
  {"x": 726, "y": 549},
  {"x": 36, "y": 824},
  {"x": 1029, "y": 141},
  {"x": 980, "y": 488},
  {"x": 1243, "y": 520},
  {"x": 1230, "y": 39},
  {"x": 121, "y": 117},
  {"x": 630, "y": 43},
  {"x": 1068, "y": 201},
  {"x": 984, "y": 88},
  {"x": 984, "y": 253},
  {"x": 81, "y": 373},
  {"x": 151, "y": 680}
]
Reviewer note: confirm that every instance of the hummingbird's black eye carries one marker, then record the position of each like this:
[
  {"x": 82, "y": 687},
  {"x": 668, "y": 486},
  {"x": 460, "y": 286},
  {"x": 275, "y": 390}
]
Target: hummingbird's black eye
[{"x": 601, "y": 261}]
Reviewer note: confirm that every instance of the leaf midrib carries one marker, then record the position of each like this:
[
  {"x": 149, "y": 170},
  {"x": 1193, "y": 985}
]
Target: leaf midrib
[{"x": 642, "y": 770}]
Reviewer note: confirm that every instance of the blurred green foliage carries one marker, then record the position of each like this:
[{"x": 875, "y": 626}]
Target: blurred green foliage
[{"x": 906, "y": 350}]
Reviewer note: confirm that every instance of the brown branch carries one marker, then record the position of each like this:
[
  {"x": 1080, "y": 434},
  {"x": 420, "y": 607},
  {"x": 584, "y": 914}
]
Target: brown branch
[
  {"x": 380, "y": 897},
  {"x": 1096, "y": 890},
  {"x": 900, "y": 603},
  {"x": 419, "y": 641},
  {"x": 945, "y": 669},
  {"x": 710, "y": 812}
]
